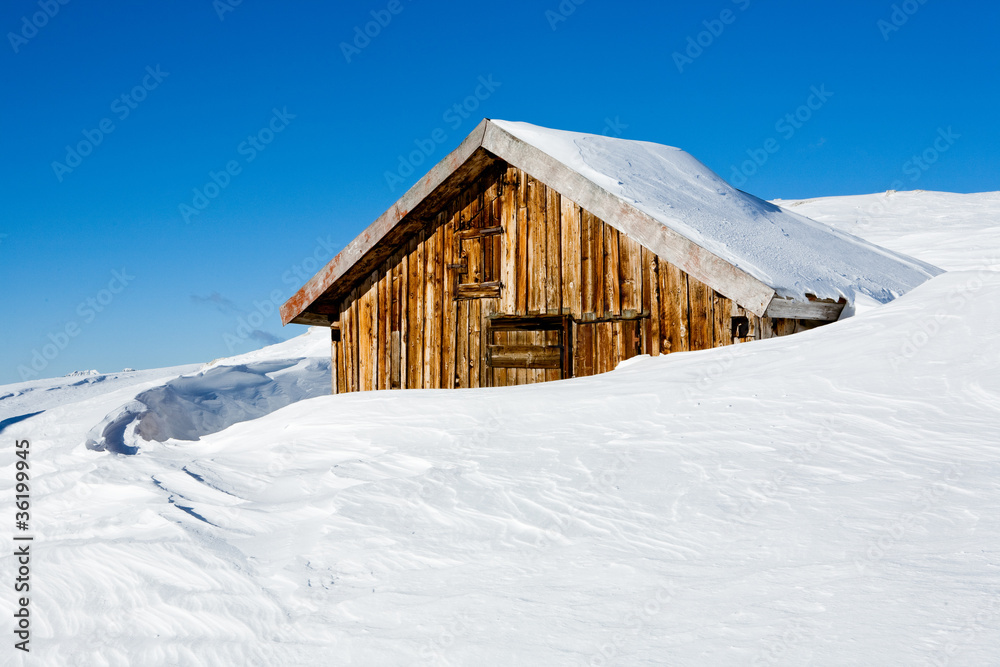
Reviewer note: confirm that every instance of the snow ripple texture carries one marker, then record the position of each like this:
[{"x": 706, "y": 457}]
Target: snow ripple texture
[{"x": 827, "y": 498}]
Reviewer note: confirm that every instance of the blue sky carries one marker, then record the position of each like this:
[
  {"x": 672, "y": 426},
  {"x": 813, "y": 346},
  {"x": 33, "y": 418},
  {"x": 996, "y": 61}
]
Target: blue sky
[{"x": 171, "y": 170}]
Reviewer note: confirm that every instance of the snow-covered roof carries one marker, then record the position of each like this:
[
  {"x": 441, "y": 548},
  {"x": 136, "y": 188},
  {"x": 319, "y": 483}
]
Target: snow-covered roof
[
  {"x": 790, "y": 253},
  {"x": 754, "y": 252}
]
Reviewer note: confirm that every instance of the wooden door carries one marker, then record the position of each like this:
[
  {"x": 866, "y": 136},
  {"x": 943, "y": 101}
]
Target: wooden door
[{"x": 524, "y": 350}]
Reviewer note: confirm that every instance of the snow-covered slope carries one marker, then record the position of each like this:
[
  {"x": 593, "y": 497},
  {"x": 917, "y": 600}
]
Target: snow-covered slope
[
  {"x": 792, "y": 254},
  {"x": 953, "y": 231},
  {"x": 828, "y": 498}
]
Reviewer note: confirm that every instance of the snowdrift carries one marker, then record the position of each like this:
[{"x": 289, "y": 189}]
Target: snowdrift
[
  {"x": 218, "y": 396},
  {"x": 825, "y": 498}
]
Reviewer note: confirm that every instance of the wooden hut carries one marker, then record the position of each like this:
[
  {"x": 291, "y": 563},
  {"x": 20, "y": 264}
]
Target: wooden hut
[{"x": 529, "y": 255}]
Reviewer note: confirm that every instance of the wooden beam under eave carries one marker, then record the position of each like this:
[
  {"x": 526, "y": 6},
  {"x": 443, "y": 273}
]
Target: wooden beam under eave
[
  {"x": 792, "y": 309},
  {"x": 730, "y": 281},
  {"x": 311, "y": 319}
]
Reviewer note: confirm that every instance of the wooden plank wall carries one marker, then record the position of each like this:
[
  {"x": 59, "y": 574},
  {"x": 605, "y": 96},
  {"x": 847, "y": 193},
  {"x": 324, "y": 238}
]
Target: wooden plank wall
[{"x": 415, "y": 321}]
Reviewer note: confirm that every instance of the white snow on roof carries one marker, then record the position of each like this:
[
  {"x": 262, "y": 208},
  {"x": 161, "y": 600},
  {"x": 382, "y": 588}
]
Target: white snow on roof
[{"x": 786, "y": 251}]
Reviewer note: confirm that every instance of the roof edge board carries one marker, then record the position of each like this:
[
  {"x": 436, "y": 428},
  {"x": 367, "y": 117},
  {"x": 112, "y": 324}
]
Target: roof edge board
[
  {"x": 717, "y": 273},
  {"x": 395, "y": 236},
  {"x": 294, "y": 309}
]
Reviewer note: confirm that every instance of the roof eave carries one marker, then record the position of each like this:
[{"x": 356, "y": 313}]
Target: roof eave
[{"x": 298, "y": 309}]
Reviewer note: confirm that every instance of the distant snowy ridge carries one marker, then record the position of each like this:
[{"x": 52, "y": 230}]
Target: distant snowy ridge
[
  {"x": 958, "y": 232},
  {"x": 222, "y": 393}
]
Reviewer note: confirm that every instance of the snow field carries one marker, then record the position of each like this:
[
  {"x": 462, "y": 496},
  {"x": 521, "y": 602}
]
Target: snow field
[{"x": 827, "y": 498}]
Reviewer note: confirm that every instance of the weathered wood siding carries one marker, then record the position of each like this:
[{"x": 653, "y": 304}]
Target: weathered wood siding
[{"x": 510, "y": 246}]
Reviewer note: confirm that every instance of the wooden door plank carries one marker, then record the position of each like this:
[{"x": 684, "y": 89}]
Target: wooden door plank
[
  {"x": 553, "y": 339},
  {"x": 475, "y": 342},
  {"x": 524, "y": 356},
  {"x": 605, "y": 347},
  {"x": 489, "y": 307},
  {"x": 584, "y": 344},
  {"x": 462, "y": 343},
  {"x": 535, "y": 375}
]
